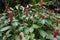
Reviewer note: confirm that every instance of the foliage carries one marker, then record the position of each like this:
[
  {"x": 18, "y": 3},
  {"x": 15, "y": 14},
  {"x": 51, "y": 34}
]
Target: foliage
[{"x": 34, "y": 22}]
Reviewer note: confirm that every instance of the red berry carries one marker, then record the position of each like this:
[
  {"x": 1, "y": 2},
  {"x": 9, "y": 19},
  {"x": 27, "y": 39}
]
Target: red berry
[
  {"x": 11, "y": 16},
  {"x": 57, "y": 22},
  {"x": 55, "y": 33},
  {"x": 43, "y": 17}
]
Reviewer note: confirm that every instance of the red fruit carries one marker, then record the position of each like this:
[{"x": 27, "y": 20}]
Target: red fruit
[
  {"x": 7, "y": 8},
  {"x": 11, "y": 17},
  {"x": 55, "y": 33},
  {"x": 57, "y": 22},
  {"x": 43, "y": 17},
  {"x": 41, "y": 3},
  {"x": 26, "y": 10},
  {"x": 20, "y": 36}
]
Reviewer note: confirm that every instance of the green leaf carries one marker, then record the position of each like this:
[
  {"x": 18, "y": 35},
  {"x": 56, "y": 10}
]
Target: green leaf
[
  {"x": 0, "y": 34},
  {"x": 16, "y": 37},
  {"x": 32, "y": 36},
  {"x": 58, "y": 37},
  {"x": 5, "y": 28},
  {"x": 15, "y": 24},
  {"x": 49, "y": 36},
  {"x": 35, "y": 26},
  {"x": 43, "y": 33}
]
